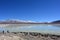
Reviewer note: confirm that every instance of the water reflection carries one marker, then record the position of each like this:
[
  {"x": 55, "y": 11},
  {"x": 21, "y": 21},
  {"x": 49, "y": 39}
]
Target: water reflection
[
  {"x": 33, "y": 28},
  {"x": 56, "y": 25}
]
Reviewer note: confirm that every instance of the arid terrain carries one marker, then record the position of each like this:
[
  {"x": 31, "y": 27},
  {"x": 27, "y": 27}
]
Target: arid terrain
[{"x": 27, "y": 36}]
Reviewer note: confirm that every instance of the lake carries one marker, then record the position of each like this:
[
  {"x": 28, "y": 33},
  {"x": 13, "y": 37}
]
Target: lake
[{"x": 51, "y": 29}]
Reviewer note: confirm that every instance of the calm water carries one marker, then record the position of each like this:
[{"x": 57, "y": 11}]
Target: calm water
[{"x": 51, "y": 29}]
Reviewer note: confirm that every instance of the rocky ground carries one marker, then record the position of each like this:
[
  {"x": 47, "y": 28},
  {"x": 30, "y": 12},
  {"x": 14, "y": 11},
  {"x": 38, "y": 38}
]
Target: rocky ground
[{"x": 28, "y": 36}]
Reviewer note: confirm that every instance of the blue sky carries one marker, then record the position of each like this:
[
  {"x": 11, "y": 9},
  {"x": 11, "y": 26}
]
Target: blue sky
[{"x": 35, "y": 10}]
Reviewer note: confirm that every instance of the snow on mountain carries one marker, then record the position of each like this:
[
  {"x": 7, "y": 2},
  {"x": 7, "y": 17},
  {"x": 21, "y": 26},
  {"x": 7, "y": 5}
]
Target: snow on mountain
[{"x": 15, "y": 21}]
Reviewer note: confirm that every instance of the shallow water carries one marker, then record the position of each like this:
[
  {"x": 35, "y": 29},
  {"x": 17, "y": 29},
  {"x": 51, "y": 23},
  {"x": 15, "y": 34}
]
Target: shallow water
[{"x": 51, "y": 29}]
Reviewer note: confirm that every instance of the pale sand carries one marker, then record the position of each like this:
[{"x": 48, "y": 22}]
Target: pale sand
[{"x": 26, "y": 36}]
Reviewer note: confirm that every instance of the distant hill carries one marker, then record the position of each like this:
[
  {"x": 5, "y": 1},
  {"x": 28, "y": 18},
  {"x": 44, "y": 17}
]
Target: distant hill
[
  {"x": 26, "y": 22},
  {"x": 57, "y": 21},
  {"x": 16, "y": 22}
]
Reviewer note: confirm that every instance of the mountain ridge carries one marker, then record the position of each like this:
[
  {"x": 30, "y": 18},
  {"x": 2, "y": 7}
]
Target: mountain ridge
[{"x": 23, "y": 21}]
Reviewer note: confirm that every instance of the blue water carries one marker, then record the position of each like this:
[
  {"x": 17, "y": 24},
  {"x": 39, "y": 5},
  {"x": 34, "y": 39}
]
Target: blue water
[{"x": 51, "y": 29}]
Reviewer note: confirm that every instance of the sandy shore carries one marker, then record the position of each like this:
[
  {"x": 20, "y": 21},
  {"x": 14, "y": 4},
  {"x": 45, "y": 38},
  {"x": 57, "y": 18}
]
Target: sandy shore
[{"x": 28, "y": 36}]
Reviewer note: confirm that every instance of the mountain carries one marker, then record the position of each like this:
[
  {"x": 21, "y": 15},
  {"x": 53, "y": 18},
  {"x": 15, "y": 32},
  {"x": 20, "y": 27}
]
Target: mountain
[
  {"x": 57, "y": 21},
  {"x": 15, "y": 21}
]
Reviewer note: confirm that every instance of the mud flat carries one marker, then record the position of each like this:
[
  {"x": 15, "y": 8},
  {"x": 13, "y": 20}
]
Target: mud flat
[{"x": 27, "y": 36}]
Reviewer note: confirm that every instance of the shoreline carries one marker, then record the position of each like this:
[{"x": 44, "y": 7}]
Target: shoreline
[{"x": 28, "y": 36}]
